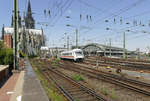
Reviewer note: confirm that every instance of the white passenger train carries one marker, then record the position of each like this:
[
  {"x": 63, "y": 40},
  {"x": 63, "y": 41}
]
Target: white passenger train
[{"x": 75, "y": 54}]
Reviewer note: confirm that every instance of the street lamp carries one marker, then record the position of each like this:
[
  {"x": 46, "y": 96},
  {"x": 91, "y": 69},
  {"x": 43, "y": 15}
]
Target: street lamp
[{"x": 15, "y": 36}]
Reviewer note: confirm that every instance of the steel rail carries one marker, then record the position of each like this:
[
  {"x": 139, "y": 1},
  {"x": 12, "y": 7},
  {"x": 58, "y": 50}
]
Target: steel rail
[{"x": 107, "y": 79}]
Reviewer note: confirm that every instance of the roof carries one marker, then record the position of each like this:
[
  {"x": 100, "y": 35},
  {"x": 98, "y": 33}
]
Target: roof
[
  {"x": 44, "y": 48},
  {"x": 10, "y": 30},
  {"x": 101, "y": 46},
  {"x": 76, "y": 50},
  {"x": 35, "y": 31},
  {"x": 72, "y": 50}
]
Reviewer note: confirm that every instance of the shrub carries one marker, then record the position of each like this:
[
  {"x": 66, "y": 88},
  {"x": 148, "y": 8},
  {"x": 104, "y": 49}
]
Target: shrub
[
  {"x": 113, "y": 94},
  {"x": 104, "y": 91},
  {"x": 23, "y": 55},
  {"x": 57, "y": 60},
  {"x": 6, "y": 56},
  {"x": 77, "y": 77}
]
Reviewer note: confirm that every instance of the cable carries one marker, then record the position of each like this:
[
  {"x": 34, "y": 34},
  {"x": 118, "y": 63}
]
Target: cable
[
  {"x": 119, "y": 12},
  {"x": 69, "y": 4}
]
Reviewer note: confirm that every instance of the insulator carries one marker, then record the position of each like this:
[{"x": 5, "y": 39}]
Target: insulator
[
  {"x": 128, "y": 30},
  {"x": 107, "y": 28},
  {"x": 90, "y": 18},
  {"x": 67, "y": 16},
  {"x": 114, "y": 21},
  {"x": 106, "y": 21},
  {"x": 121, "y": 20},
  {"x": 49, "y": 12},
  {"x": 140, "y": 23},
  {"x": 80, "y": 17},
  {"x": 87, "y": 17},
  {"x": 45, "y": 12}
]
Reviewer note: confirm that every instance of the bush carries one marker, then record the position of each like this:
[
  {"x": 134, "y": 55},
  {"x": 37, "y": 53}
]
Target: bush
[
  {"x": 6, "y": 56},
  {"x": 32, "y": 56},
  {"x": 23, "y": 55},
  {"x": 77, "y": 77},
  {"x": 1, "y": 45},
  {"x": 57, "y": 60},
  {"x": 104, "y": 91}
]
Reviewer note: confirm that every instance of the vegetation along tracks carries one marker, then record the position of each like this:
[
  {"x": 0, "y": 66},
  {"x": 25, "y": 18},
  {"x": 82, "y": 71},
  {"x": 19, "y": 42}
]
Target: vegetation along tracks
[
  {"x": 133, "y": 85},
  {"x": 71, "y": 89}
]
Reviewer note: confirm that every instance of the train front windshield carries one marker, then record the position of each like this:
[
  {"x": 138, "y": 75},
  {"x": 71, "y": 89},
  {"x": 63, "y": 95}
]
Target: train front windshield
[{"x": 79, "y": 53}]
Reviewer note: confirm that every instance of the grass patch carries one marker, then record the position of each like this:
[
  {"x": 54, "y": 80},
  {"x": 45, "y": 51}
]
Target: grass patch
[
  {"x": 104, "y": 91},
  {"x": 113, "y": 94},
  {"x": 55, "y": 62},
  {"x": 76, "y": 99},
  {"x": 51, "y": 91},
  {"x": 77, "y": 77}
]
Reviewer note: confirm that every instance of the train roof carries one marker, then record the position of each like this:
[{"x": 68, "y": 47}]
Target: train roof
[{"x": 71, "y": 51}]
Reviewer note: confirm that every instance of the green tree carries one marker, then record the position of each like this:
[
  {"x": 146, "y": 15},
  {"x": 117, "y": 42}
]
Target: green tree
[
  {"x": 6, "y": 55},
  {"x": 1, "y": 45}
]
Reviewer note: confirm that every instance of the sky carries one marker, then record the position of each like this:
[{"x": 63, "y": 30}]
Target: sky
[{"x": 109, "y": 20}]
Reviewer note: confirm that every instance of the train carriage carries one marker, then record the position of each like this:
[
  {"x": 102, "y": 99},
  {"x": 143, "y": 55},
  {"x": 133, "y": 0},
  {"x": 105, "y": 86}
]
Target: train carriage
[{"x": 75, "y": 54}]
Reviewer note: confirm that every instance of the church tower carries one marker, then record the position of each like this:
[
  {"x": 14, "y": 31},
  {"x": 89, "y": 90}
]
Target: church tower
[{"x": 29, "y": 21}]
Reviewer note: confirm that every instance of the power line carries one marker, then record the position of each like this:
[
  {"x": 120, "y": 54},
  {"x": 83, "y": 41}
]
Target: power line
[{"x": 123, "y": 10}]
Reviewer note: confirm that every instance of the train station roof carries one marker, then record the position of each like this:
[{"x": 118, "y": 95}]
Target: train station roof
[{"x": 100, "y": 47}]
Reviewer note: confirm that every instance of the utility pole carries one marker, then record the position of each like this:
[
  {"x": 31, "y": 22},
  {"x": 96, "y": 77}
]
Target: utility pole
[
  {"x": 68, "y": 42},
  {"x": 124, "y": 45},
  {"x": 76, "y": 38},
  {"x": 105, "y": 48},
  {"x": 65, "y": 40},
  {"x": 15, "y": 34},
  {"x": 110, "y": 47}
]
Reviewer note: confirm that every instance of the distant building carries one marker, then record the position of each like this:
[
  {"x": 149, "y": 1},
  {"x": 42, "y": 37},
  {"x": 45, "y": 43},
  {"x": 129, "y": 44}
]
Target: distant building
[
  {"x": 52, "y": 51},
  {"x": 30, "y": 39},
  {"x": 8, "y": 42},
  {"x": 104, "y": 50}
]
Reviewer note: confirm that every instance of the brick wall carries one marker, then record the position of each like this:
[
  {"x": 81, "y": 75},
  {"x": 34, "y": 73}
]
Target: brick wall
[{"x": 8, "y": 41}]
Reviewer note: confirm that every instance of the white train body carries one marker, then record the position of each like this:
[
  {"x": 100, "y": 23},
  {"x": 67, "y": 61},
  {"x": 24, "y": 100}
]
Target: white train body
[{"x": 75, "y": 54}]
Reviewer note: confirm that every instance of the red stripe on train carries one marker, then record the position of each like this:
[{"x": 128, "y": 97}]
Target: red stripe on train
[{"x": 67, "y": 56}]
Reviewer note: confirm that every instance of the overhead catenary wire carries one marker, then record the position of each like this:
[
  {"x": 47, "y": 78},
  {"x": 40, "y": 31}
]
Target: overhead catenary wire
[{"x": 123, "y": 10}]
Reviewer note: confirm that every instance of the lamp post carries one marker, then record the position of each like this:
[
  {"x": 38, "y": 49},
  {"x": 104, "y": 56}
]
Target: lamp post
[{"x": 15, "y": 34}]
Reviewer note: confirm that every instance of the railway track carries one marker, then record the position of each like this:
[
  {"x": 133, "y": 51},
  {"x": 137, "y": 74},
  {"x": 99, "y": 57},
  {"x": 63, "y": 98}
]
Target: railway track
[
  {"x": 123, "y": 64},
  {"x": 130, "y": 84},
  {"x": 123, "y": 60},
  {"x": 71, "y": 89}
]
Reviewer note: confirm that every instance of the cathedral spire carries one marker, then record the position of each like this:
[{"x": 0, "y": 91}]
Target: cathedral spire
[
  {"x": 29, "y": 21},
  {"x": 29, "y": 11}
]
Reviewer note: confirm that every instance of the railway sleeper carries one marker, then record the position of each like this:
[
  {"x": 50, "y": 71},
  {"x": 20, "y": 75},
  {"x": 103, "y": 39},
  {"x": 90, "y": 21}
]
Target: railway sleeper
[
  {"x": 90, "y": 99},
  {"x": 73, "y": 90},
  {"x": 84, "y": 95},
  {"x": 77, "y": 93}
]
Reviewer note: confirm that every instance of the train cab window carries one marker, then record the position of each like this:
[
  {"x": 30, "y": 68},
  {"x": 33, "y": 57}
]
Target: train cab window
[{"x": 78, "y": 53}]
